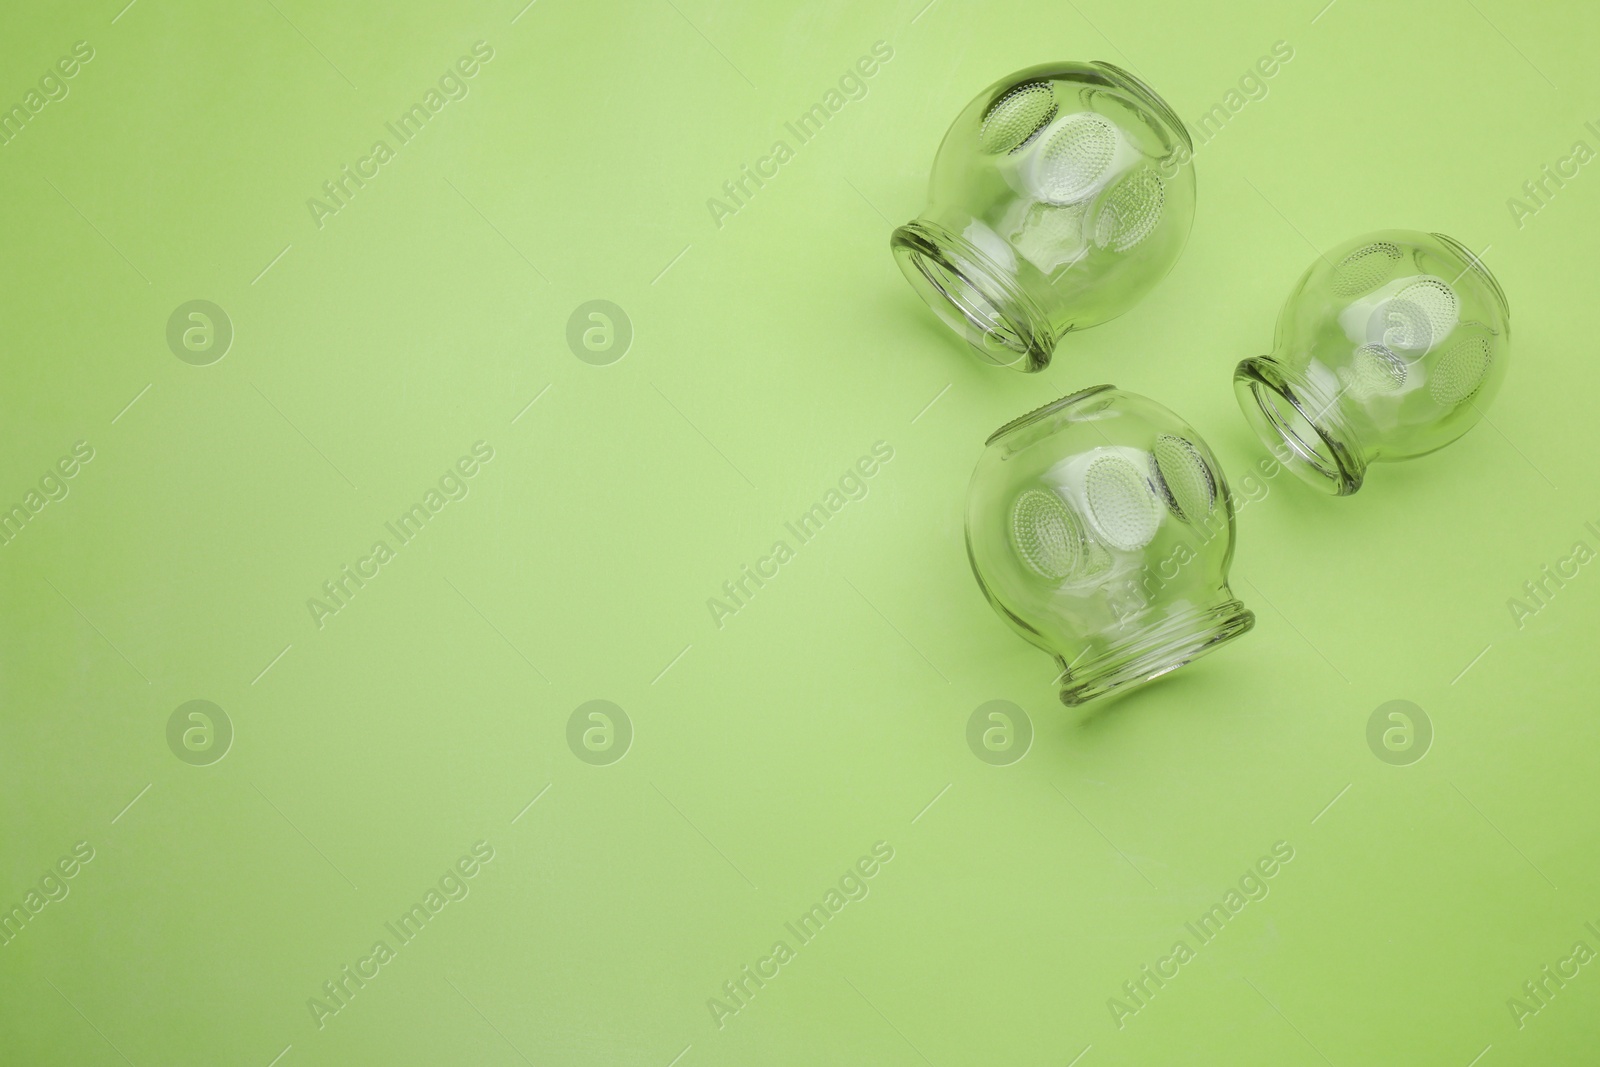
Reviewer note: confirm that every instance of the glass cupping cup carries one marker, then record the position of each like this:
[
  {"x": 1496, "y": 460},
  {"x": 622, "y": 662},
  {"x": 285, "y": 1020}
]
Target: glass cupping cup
[
  {"x": 1389, "y": 348},
  {"x": 1101, "y": 529},
  {"x": 1061, "y": 195}
]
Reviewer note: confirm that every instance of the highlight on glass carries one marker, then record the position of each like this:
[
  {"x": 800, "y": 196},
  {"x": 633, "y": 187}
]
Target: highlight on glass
[
  {"x": 1100, "y": 528},
  {"x": 1059, "y": 198},
  {"x": 1389, "y": 348}
]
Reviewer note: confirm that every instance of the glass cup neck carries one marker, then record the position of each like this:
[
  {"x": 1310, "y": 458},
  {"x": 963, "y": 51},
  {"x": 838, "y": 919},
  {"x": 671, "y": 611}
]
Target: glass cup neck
[
  {"x": 1152, "y": 652},
  {"x": 1305, "y": 430},
  {"x": 973, "y": 296}
]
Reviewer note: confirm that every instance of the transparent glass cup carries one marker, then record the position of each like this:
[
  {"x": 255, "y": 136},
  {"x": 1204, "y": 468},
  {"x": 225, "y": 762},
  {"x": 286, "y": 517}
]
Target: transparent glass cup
[
  {"x": 1060, "y": 196},
  {"x": 1101, "y": 529},
  {"x": 1389, "y": 348}
]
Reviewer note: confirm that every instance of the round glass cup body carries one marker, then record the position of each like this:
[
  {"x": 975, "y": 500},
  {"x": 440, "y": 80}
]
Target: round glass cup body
[
  {"x": 1060, "y": 196},
  {"x": 1389, "y": 348},
  {"x": 1100, "y": 528}
]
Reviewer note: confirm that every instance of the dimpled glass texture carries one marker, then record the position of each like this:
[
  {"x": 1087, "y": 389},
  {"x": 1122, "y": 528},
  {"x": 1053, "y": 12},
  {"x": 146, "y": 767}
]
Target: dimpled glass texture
[
  {"x": 1101, "y": 529},
  {"x": 1389, "y": 348},
  {"x": 1060, "y": 196}
]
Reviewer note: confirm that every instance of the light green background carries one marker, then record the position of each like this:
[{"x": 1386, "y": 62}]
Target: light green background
[{"x": 826, "y": 715}]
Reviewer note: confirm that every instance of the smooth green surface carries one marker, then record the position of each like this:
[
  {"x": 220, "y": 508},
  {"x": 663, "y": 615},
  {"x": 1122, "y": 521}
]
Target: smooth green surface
[{"x": 828, "y": 714}]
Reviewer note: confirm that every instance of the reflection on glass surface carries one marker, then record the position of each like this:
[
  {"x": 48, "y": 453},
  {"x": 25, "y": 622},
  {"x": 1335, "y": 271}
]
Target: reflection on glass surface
[
  {"x": 1059, "y": 197},
  {"x": 1101, "y": 529},
  {"x": 1389, "y": 348}
]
